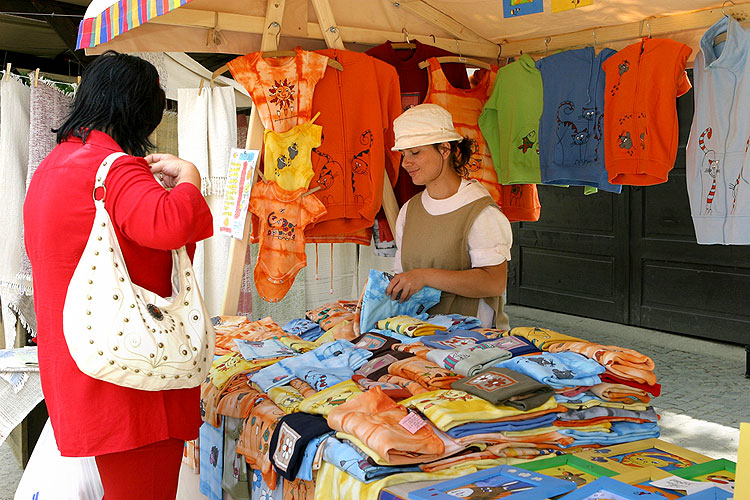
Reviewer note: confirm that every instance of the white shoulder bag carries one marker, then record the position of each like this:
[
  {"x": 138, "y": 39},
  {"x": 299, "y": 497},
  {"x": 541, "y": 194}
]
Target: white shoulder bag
[{"x": 121, "y": 333}]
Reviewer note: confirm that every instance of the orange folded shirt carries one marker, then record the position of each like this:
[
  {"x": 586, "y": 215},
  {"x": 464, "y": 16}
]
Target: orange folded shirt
[
  {"x": 427, "y": 373},
  {"x": 373, "y": 418},
  {"x": 624, "y": 363},
  {"x": 256, "y": 435}
]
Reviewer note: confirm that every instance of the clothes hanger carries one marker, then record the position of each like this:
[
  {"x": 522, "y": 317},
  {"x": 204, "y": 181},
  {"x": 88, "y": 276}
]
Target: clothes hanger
[
  {"x": 722, "y": 37},
  {"x": 458, "y": 59},
  {"x": 404, "y": 45},
  {"x": 275, "y": 53}
]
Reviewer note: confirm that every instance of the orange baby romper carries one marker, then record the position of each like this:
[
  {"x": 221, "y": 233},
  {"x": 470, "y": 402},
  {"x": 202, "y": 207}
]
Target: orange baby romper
[
  {"x": 281, "y": 88},
  {"x": 519, "y": 202},
  {"x": 283, "y": 216}
]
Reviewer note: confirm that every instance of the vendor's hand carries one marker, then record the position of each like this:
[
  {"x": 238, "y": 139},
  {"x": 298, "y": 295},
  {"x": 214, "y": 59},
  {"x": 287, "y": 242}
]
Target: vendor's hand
[
  {"x": 406, "y": 284},
  {"x": 172, "y": 170}
]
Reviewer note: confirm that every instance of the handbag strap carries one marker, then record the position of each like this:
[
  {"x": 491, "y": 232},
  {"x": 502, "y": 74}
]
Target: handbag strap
[{"x": 101, "y": 174}]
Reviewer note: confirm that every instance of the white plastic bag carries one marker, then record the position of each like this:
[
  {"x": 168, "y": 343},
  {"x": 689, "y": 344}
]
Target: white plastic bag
[{"x": 50, "y": 476}]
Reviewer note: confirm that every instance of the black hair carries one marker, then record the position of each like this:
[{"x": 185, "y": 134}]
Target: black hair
[
  {"x": 119, "y": 95},
  {"x": 460, "y": 155}
]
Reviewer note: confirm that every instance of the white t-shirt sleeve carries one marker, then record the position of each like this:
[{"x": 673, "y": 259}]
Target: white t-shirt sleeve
[
  {"x": 400, "y": 222},
  {"x": 489, "y": 239}
]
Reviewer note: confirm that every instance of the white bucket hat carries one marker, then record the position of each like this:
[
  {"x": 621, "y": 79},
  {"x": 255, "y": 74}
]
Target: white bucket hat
[{"x": 422, "y": 125}]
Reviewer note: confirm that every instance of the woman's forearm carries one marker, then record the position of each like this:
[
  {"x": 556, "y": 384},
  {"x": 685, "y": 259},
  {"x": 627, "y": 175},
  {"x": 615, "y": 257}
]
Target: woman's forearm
[{"x": 478, "y": 282}]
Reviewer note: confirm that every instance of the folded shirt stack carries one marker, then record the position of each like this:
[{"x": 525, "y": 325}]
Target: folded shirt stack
[
  {"x": 557, "y": 370},
  {"x": 619, "y": 361},
  {"x": 468, "y": 362},
  {"x": 501, "y": 386}
]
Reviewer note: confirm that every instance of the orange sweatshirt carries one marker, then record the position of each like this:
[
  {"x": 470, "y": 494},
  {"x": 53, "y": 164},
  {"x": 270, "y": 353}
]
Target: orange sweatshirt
[
  {"x": 357, "y": 107},
  {"x": 640, "y": 125}
]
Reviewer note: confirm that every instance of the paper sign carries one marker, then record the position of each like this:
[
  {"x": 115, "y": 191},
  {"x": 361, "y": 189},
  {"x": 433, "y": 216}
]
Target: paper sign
[
  {"x": 515, "y": 8},
  {"x": 237, "y": 191},
  {"x": 561, "y": 5},
  {"x": 412, "y": 422},
  {"x": 677, "y": 483}
]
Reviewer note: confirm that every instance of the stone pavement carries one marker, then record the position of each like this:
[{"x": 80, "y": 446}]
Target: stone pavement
[{"x": 705, "y": 394}]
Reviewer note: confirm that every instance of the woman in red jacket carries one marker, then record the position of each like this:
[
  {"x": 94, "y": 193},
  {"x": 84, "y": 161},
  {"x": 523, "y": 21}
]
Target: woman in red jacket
[{"x": 136, "y": 436}]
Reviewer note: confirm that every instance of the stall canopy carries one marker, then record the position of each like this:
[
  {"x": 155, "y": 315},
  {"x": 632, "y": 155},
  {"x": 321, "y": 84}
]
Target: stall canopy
[{"x": 472, "y": 28}]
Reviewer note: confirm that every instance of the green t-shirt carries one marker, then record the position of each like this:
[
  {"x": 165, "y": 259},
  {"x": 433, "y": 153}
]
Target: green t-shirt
[{"x": 510, "y": 122}]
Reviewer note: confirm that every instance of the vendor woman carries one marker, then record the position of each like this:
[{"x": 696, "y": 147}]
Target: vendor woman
[{"x": 451, "y": 236}]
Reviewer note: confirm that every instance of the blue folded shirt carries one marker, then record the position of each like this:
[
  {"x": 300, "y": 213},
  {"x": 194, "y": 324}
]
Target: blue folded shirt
[
  {"x": 376, "y": 305},
  {"x": 557, "y": 370},
  {"x": 511, "y": 425}
]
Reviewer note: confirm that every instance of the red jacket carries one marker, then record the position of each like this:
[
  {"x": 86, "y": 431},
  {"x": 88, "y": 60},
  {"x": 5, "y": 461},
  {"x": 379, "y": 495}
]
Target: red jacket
[{"x": 91, "y": 417}]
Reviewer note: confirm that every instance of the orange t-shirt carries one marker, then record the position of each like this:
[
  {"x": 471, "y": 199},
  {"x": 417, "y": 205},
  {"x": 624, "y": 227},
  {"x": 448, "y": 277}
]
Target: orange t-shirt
[
  {"x": 519, "y": 201},
  {"x": 283, "y": 216},
  {"x": 281, "y": 88}
]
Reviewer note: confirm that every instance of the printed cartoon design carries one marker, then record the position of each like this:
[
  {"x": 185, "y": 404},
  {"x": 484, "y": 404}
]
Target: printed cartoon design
[
  {"x": 656, "y": 458},
  {"x": 361, "y": 161},
  {"x": 284, "y": 161},
  {"x": 329, "y": 170},
  {"x": 490, "y": 489},
  {"x": 622, "y": 68},
  {"x": 213, "y": 457},
  {"x": 447, "y": 396},
  {"x": 710, "y": 166},
  {"x": 516, "y": 195},
  {"x": 625, "y": 141},
  {"x": 280, "y": 227},
  {"x": 586, "y": 127},
  {"x": 491, "y": 381},
  {"x": 370, "y": 342},
  {"x": 735, "y": 187},
  {"x": 720, "y": 479},
  {"x": 540, "y": 361},
  {"x": 283, "y": 95},
  {"x": 475, "y": 162},
  {"x": 528, "y": 141},
  {"x": 562, "y": 374}
]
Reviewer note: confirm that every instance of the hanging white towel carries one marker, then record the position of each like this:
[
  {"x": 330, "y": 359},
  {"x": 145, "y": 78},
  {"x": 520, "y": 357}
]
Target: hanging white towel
[
  {"x": 192, "y": 130},
  {"x": 14, "y": 157},
  {"x": 207, "y": 130}
]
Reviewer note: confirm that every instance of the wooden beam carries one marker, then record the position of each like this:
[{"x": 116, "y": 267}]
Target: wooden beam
[
  {"x": 439, "y": 19},
  {"x": 193, "y": 18},
  {"x": 327, "y": 23},
  {"x": 238, "y": 248},
  {"x": 659, "y": 27}
]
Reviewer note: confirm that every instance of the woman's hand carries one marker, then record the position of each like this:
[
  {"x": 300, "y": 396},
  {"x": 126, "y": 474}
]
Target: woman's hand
[
  {"x": 406, "y": 284},
  {"x": 173, "y": 170}
]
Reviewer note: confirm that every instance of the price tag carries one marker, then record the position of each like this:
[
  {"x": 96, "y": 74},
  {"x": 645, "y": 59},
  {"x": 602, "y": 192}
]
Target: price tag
[{"x": 412, "y": 422}]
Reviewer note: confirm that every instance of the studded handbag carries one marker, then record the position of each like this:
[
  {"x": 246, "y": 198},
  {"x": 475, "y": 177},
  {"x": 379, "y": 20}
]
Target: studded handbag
[{"x": 121, "y": 333}]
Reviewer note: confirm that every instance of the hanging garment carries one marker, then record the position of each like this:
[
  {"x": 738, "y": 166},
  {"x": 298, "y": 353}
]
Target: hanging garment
[
  {"x": 518, "y": 202},
  {"x": 640, "y": 124},
  {"x": 281, "y": 87},
  {"x": 254, "y": 440},
  {"x": 510, "y": 122},
  {"x": 283, "y": 216},
  {"x": 571, "y": 136},
  {"x": 717, "y": 150},
  {"x": 14, "y": 161},
  {"x": 414, "y": 83},
  {"x": 559, "y": 371},
  {"x": 287, "y": 155},
  {"x": 289, "y": 440},
  {"x": 235, "y": 478},
  {"x": 356, "y": 146},
  {"x": 212, "y": 460}
]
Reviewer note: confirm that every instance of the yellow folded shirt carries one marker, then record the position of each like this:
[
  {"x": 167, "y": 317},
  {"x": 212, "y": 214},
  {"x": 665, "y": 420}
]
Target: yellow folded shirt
[
  {"x": 286, "y": 397},
  {"x": 298, "y": 345},
  {"x": 540, "y": 337},
  {"x": 406, "y": 325},
  {"x": 326, "y": 400},
  {"x": 225, "y": 367},
  {"x": 450, "y": 408}
]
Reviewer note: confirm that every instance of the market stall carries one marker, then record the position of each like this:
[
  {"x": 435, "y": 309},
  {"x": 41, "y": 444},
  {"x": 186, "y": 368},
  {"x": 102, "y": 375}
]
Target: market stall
[{"x": 360, "y": 393}]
